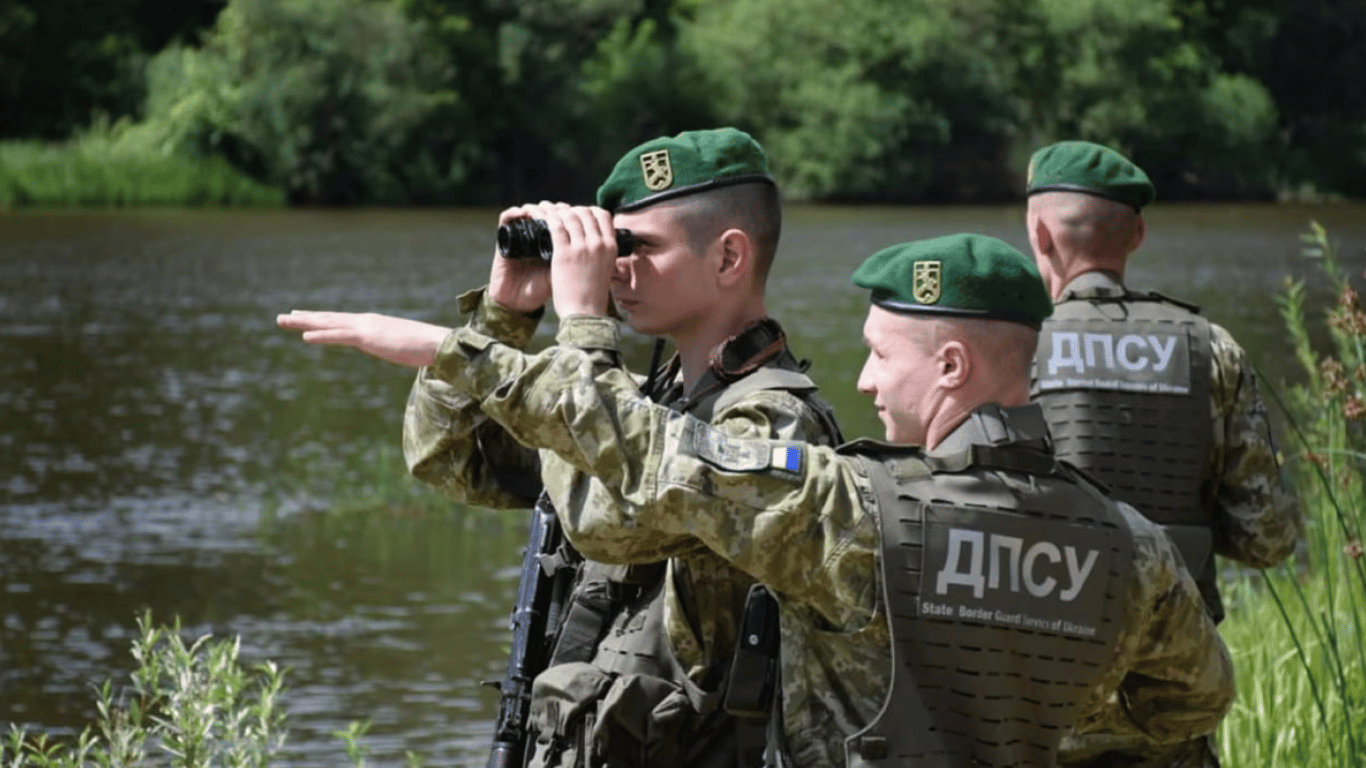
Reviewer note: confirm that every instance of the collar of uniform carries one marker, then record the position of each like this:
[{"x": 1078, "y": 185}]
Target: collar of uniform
[
  {"x": 1097, "y": 284},
  {"x": 992, "y": 424}
]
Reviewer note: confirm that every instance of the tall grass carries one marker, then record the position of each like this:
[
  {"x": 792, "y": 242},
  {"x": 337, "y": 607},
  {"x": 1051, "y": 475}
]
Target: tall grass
[
  {"x": 109, "y": 167},
  {"x": 1296, "y": 632}
]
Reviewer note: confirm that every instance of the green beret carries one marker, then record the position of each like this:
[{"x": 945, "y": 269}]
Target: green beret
[
  {"x": 961, "y": 275},
  {"x": 1080, "y": 166},
  {"x": 692, "y": 161}
]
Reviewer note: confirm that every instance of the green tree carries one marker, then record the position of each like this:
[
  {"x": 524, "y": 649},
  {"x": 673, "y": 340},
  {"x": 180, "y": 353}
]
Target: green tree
[
  {"x": 1131, "y": 75},
  {"x": 1315, "y": 66},
  {"x": 562, "y": 87},
  {"x": 335, "y": 100},
  {"x": 65, "y": 62},
  {"x": 896, "y": 101}
]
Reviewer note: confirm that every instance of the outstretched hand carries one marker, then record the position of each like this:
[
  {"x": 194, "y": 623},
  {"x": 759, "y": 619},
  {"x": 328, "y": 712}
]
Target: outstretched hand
[{"x": 395, "y": 339}]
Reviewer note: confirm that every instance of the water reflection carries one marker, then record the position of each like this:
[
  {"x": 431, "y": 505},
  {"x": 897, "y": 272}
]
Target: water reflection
[{"x": 165, "y": 446}]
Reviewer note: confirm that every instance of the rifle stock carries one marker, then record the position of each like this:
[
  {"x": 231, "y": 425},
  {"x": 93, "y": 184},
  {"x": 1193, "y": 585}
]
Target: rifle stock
[{"x": 540, "y": 597}]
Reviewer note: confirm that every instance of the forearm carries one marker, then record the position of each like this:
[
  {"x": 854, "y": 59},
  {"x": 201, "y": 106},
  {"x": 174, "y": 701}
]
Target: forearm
[
  {"x": 450, "y": 444},
  {"x": 672, "y": 478}
]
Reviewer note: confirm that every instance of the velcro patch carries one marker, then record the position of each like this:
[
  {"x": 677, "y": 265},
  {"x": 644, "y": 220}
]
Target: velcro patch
[
  {"x": 729, "y": 453},
  {"x": 1013, "y": 571},
  {"x": 1075, "y": 356}
]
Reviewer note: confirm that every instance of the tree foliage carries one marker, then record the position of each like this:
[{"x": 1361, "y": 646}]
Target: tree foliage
[{"x": 500, "y": 101}]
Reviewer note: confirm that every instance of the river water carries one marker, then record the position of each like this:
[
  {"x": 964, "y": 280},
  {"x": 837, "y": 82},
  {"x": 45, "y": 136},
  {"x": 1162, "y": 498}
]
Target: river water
[{"x": 164, "y": 447}]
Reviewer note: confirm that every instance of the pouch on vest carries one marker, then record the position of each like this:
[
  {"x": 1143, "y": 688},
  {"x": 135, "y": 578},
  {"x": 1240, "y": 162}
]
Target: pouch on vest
[
  {"x": 640, "y": 722},
  {"x": 563, "y": 699},
  {"x": 583, "y": 716}
]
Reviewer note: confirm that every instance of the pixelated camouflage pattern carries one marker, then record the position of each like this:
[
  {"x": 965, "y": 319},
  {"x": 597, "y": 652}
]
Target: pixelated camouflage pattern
[
  {"x": 1258, "y": 514},
  {"x": 451, "y": 445},
  {"x": 812, "y": 536}
]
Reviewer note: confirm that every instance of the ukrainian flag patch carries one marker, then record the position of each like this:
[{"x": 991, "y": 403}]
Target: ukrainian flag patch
[{"x": 788, "y": 457}]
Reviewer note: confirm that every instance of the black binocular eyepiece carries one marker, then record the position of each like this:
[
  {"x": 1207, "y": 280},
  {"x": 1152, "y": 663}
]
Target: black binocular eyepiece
[{"x": 530, "y": 239}]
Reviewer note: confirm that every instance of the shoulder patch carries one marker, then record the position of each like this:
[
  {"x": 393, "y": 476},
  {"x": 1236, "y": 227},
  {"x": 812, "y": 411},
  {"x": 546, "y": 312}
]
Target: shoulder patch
[{"x": 730, "y": 453}]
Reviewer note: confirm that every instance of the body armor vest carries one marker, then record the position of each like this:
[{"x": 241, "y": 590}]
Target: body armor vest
[
  {"x": 1124, "y": 381},
  {"x": 1003, "y": 580},
  {"x": 615, "y": 617}
]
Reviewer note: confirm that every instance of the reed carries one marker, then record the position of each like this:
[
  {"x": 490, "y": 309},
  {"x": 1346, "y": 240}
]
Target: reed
[{"x": 1296, "y": 632}]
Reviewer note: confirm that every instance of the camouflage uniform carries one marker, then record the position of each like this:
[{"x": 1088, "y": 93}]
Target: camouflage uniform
[
  {"x": 450, "y": 444},
  {"x": 1254, "y": 519},
  {"x": 810, "y": 533}
]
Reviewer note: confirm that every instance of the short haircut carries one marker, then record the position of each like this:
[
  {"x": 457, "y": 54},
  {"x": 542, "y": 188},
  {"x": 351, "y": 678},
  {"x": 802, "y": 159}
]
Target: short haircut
[
  {"x": 752, "y": 207},
  {"x": 999, "y": 345},
  {"x": 1084, "y": 223}
]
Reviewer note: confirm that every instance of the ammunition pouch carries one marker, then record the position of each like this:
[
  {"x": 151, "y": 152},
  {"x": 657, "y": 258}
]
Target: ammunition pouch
[{"x": 585, "y": 717}]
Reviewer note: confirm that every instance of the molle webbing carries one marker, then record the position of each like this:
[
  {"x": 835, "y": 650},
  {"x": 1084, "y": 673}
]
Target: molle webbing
[
  {"x": 974, "y": 685},
  {"x": 1151, "y": 448}
]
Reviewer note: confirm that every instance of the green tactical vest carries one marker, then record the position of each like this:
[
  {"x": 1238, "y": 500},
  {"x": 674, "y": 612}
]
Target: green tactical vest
[
  {"x": 1003, "y": 573},
  {"x": 612, "y": 658},
  {"x": 1124, "y": 381}
]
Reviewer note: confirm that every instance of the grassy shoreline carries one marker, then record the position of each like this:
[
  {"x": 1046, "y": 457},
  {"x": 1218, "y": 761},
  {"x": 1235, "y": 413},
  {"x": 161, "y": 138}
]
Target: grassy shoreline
[{"x": 94, "y": 174}]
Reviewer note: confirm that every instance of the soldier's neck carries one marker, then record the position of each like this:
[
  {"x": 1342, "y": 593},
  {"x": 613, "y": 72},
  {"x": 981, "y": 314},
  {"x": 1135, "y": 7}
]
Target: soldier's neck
[
  {"x": 1077, "y": 266},
  {"x": 695, "y": 347}
]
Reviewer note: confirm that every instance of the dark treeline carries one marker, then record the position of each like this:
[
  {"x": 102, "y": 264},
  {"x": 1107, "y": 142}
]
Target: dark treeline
[{"x": 499, "y": 101}]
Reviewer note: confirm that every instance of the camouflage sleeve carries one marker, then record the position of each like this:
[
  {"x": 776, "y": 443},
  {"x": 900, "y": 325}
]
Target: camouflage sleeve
[
  {"x": 774, "y": 414},
  {"x": 1177, "y": 677},
  {"x": 790, "y": 515},
  {"x": 449, "y": 443},
  {"x": 1258, "y": 517}
]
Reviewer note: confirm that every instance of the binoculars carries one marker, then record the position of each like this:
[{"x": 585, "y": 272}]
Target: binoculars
[{"x": 530, "y": 239}]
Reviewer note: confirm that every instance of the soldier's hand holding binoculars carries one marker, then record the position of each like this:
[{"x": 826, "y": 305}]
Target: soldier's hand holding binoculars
[{"x": 584, "y": 246}]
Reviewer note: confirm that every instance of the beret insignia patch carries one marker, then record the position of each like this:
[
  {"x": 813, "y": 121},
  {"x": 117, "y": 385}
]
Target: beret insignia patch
[
  {"x": 926, "y": 281},
  {"x": 656, "y": 170}
]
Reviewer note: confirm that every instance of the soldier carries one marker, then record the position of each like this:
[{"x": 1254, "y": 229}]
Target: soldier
[
  {"x": 644, "y": 656},
  {"x": 960, "y": 604},
  {"x": 1142, "y": 392}
]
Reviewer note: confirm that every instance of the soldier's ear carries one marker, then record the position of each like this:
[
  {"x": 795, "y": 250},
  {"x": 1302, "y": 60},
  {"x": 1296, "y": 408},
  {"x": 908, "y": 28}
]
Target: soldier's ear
[
  {"x": 1043, "y": 239},
  {"x": 737, "y": 253},
  {"x": 1140, "y": 231},
  {"x": 955, "y": 364}
]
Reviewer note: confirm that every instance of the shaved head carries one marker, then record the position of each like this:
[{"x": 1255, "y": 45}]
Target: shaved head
[
  {"x": 1087, "y": 225},
  {"x": 1004, "y": 350},
  {"x": 752, "y": 207}
]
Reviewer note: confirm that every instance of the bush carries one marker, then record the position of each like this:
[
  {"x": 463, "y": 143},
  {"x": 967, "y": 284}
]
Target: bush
[{"x": 93, "y": 172}]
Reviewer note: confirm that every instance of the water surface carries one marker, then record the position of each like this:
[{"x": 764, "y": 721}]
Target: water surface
[{"x": 165, "y": 447}]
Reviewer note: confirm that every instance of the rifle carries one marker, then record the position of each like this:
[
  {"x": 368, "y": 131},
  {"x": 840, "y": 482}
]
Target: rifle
[{"x": 540, "y": 598}]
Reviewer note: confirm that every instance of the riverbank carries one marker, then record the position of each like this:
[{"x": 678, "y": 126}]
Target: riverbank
[{"x": 90, "y": 174}]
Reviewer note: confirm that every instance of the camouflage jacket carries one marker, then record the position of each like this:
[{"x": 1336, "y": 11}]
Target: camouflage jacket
[
  {"x": 450, "y": 444},
  {"x": 807, "y": 529}
]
